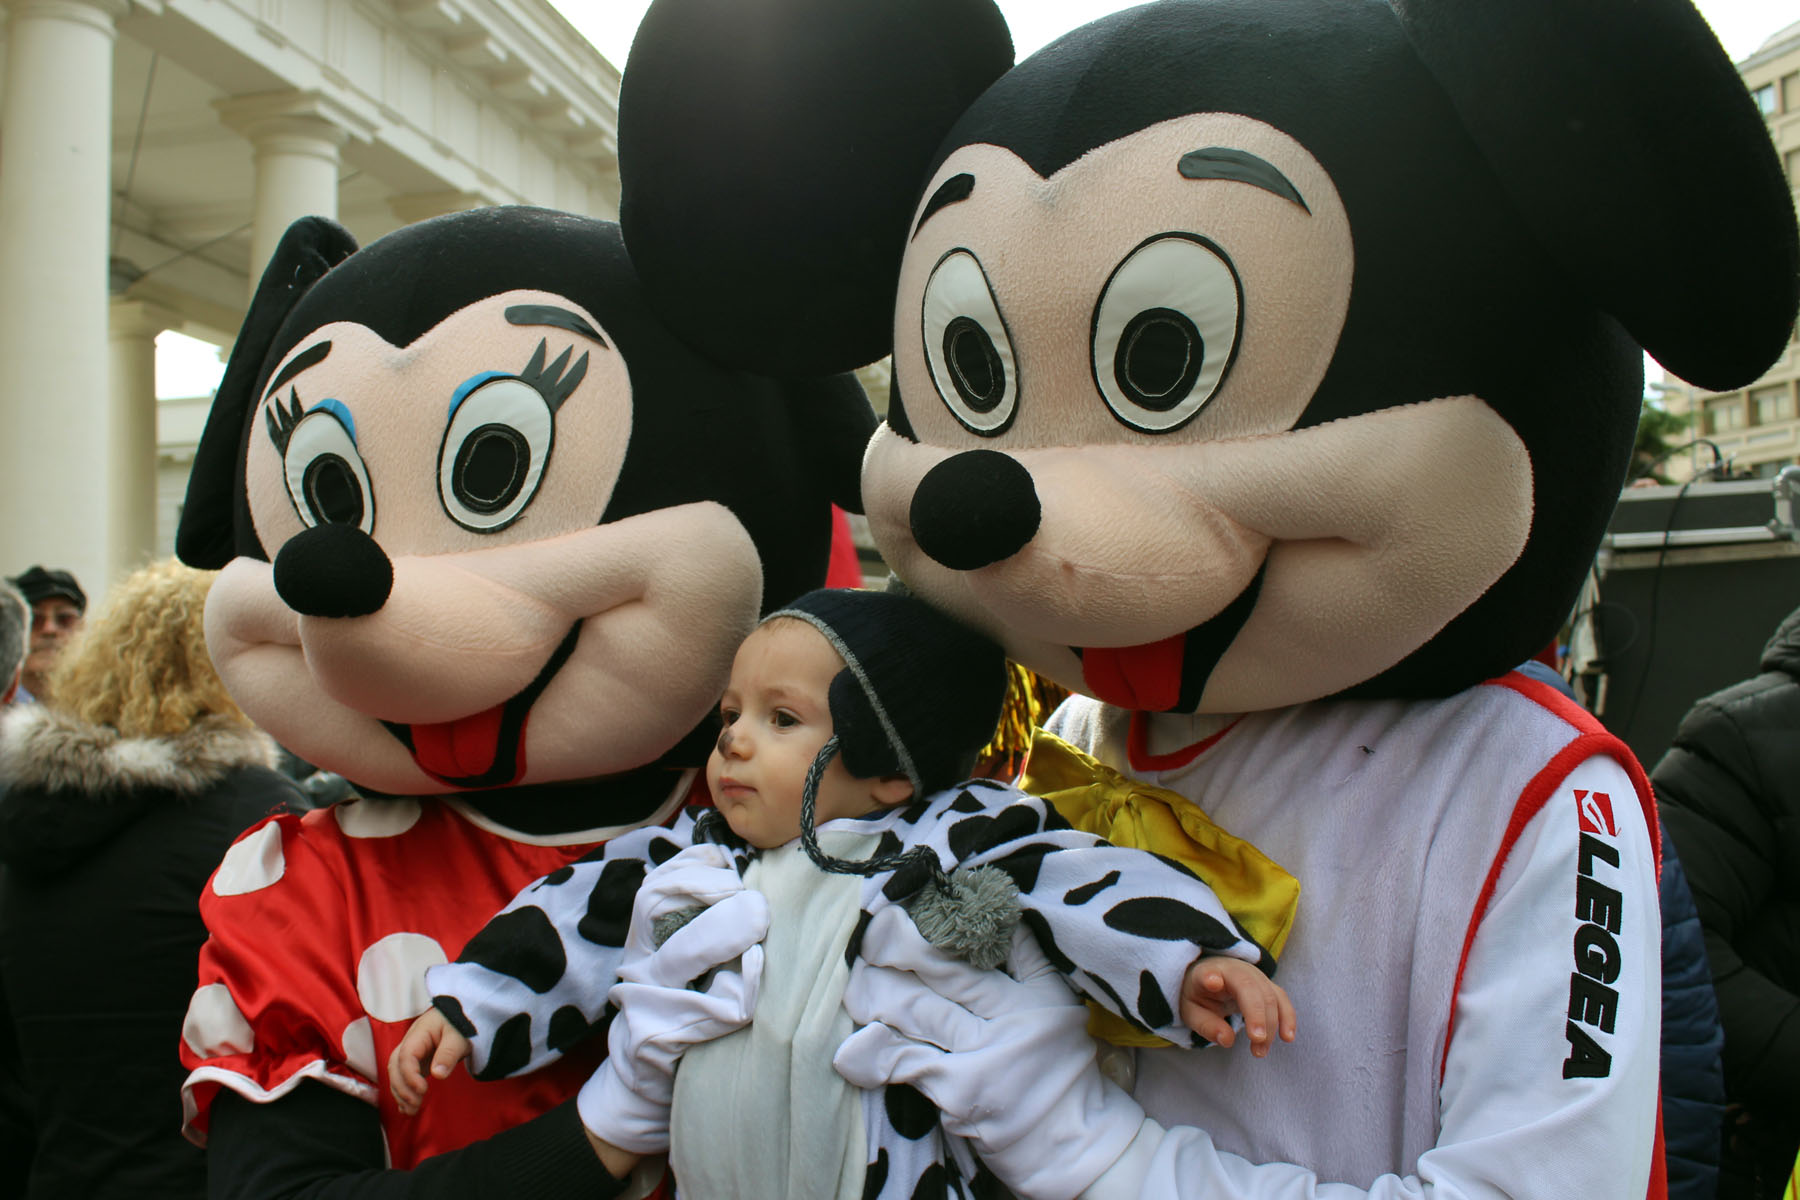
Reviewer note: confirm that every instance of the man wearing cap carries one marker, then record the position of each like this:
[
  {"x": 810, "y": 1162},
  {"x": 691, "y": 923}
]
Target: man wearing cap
[{"x": 57, "y": 606}]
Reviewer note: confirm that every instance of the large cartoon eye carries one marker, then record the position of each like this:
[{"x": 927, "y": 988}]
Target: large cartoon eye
[
  {"x": 494, "y": 452},
  {"x": 325, "y": 475},
  {"x": 1166, "y": 331},
  {"x": 967, "y": 347}
]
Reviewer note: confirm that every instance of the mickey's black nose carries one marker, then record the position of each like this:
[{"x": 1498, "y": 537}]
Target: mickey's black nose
[
  {"x": 333, "y": 571},
  {"x": 975, "y": 509}
]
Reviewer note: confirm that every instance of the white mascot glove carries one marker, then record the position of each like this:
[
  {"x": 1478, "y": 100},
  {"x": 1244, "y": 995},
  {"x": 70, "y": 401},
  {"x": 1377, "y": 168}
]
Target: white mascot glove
[
  {"x": 1008, "y": 1062},
  {"x": 664, "y": 1004}
]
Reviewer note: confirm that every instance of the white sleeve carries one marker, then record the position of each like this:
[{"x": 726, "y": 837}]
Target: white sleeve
[
  {"x": 1550, "y": 1084},
  {"x": 533, "y": 981}
]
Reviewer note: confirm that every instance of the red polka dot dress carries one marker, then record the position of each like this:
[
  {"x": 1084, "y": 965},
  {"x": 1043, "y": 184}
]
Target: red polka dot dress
[{"x": 321, "y": 928}]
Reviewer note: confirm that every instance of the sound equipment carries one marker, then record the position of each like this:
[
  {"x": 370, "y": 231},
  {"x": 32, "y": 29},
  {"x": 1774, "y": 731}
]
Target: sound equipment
[{"x": 1692, "y": 582}]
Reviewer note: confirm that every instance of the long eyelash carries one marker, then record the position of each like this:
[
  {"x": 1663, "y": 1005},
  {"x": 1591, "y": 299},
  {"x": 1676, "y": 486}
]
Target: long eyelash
[
  {"x": 550, "y": 381},
  {"x": 282, "y": 421}
]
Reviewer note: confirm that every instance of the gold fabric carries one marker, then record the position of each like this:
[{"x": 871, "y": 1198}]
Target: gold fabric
[
  {"x": 1029, "y": 699},
  {"x": 1096, "y": 799}
]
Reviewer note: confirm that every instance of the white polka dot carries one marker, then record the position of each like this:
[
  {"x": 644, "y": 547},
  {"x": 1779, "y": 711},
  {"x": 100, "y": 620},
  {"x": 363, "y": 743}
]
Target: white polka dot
[
  {"x": 213, "y": 1027},
  {"x": 376, "y": 818},
  {"x": 253, "y": 863},
  {"x": 359, "y": 1047},
  {"x": 390, "y": 978}
]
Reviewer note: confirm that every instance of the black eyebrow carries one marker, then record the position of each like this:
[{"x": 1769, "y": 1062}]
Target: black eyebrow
[
  {"x": 312, "y": 356},
  {"x": 954, "y": 189},
  {"x": 560, "y": 318},
  {"x": 1222, "y": 162}
]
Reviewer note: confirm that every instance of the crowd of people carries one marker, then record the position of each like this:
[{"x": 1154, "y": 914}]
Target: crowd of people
[{"x": 128, "y": 771}]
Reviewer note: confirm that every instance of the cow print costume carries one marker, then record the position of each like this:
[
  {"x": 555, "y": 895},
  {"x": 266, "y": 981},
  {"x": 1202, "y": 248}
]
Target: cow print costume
[{"x": 1121, "y": 926}]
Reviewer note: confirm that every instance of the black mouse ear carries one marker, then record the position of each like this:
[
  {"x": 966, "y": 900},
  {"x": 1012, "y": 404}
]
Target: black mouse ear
[
  {"x": 770, "y": 156},
  {"x": 1628, "y": 142},
  {"x": 206, "y": 537}
]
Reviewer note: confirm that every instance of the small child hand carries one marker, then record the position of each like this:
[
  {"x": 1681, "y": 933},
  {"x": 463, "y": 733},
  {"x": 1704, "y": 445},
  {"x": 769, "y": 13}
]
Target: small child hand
[
  {"x": 432, "y": 1038},
  {"x": 1216, "y": 986}
]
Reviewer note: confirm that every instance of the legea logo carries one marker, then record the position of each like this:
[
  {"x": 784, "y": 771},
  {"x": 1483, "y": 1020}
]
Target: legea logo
[{"x": 1596, "y": 813}]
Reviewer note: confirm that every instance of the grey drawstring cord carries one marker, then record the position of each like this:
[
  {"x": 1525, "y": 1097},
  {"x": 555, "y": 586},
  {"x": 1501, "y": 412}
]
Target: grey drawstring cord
[{"x": 873, "y": 865}]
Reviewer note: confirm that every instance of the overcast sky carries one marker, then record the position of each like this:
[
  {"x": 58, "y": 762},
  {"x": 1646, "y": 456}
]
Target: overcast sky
[{"x": 1742, "y": 25}]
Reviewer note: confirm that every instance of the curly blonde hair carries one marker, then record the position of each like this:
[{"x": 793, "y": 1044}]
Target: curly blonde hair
[{"x": 140, "y": 664}]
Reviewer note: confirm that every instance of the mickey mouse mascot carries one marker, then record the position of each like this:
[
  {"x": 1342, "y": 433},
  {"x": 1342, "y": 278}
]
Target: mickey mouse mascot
[{"x": 1267, "y": 373}]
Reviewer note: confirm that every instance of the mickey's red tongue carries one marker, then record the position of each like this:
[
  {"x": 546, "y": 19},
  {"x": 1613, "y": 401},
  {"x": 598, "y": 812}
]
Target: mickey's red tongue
[
  {"x": 460, "y": 749},
  {"x": 1146, "y": 678}
]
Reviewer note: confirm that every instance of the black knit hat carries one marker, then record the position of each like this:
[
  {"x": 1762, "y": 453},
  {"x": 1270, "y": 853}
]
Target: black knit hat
[
  {"x": 920, "y": 693},
  {"x": 39, "y": 583}
]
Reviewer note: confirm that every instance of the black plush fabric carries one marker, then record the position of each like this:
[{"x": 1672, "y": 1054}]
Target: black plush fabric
[
  {"x": 940, "y": 684},
  {"x": 1729, "y": 791},
  {"x": 819, "y": 175},
  {"x": 1596, "y": 100},
  {"x": 333, "y": 571},
  {"x": 215, "y": 518},
  {"x": 975, "y": 509},
  {"x": 100, "y": 931}
]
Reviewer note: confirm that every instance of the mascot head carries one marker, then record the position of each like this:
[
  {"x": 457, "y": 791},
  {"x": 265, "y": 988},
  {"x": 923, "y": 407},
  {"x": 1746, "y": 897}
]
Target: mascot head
[
  {"x": 485, "y": 520},
  {"x": 1250, "y": 353}
]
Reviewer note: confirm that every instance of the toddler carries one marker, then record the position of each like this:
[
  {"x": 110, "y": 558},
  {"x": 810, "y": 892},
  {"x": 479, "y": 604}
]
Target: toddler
[{"x": 848, "y": 717}]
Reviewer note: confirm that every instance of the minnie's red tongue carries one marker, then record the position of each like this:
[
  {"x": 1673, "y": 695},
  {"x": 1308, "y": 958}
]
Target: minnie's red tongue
[
  {"x": 1146, "y": 678},
  {"x": 463, "y": 748}
]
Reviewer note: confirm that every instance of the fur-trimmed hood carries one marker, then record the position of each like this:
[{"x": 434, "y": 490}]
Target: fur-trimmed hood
[
  {"x": 44, "y": 749},
  {"x": 69, "y": 786}
]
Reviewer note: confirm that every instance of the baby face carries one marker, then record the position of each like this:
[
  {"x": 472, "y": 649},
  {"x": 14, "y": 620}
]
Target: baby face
[{"x": 776, "y": 716}]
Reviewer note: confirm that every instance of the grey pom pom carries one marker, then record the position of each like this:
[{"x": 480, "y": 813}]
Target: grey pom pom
[
  {"x": 974, "y": 919},
  {"x": 664, "y": 927}
]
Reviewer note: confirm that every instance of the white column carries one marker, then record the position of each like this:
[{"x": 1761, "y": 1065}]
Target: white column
[
  {"x": 56, "y": 127},
  {"x": 131, "y": 432},
  {"x": 296, "y": 136}
]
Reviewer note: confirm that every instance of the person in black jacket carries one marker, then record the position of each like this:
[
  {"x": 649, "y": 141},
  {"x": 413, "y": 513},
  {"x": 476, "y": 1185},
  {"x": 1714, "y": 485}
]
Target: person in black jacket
[
  {"x": 1729, "y": 789},
  {"x": 121, "y": 795}
]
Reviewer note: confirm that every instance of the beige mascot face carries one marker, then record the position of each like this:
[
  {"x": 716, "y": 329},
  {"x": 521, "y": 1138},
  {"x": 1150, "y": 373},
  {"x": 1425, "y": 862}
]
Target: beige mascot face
[
  {"x": 1146, "y": 384},
  {"x": 496, "y": 526},
  {"x": 513, "y": 615}
]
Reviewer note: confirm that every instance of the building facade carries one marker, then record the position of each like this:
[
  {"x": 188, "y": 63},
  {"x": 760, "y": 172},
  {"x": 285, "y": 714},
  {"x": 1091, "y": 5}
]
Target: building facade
[
  {"x": 1756, "y": 429},
  {"x": 153, "y": 151}
]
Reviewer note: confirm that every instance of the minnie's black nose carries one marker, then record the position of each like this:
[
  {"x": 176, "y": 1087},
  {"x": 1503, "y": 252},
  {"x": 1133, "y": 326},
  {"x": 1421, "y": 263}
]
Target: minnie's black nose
[
  {"x": 975, "y": 509},
  {"x": 333, "y": 571}
]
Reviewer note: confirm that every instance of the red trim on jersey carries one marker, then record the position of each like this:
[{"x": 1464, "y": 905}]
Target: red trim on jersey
[
  {"x": 1659, "y": 1157},
  {"x": 1531, "y": 800},
  {"x": 1137, "y": 746},
  {"x": 1548, "y": 698},
  {"x": 1591, "y": 740}
]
